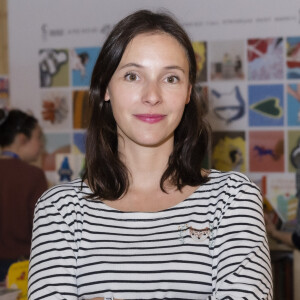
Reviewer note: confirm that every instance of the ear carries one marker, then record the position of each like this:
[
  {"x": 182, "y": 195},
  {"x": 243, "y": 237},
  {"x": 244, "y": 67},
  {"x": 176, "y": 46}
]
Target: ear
[
  {"x": 20, "y": 140},
  {"x": 188, "y": 98},
  {"x": 107, "y": 96}
]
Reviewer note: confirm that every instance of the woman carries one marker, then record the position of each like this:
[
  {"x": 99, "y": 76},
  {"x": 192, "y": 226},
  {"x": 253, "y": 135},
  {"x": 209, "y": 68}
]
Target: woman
[
  {"x": 21, "y": 184},
  {"x": 147, "y": 222}
]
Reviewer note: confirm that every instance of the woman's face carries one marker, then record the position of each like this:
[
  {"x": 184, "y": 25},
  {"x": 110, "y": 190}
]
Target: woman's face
[
  {"x": 149, "y": 90},
  {"x": 32, "y": 147}
]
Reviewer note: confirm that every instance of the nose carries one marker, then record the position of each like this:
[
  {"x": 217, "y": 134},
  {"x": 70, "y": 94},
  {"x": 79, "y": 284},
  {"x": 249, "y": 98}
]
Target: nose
[{"x": 152, "y": 93}]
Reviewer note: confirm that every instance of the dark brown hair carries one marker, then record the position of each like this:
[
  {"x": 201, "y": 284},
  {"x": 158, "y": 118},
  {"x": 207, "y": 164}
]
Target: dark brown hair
[
  {"x": 105, "y": 172},
  {"x": 13, "y": 122}
]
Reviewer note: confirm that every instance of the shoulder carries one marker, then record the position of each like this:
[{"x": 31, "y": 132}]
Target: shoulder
[
  {"x": 64, "y": 195},
  {"x": 64, "y": 202},
  {"x": 234, "y": 186},
  {"x": 25, "y": 171},
  {"x": 232, "y": 176},
  {"x": 36, "y": 171},
  {"x": 26, "y": 167},
  {"x": 18, "y": 163},
  {"x": 231, "y": 179},
  {"x": 238, "y": 199}
]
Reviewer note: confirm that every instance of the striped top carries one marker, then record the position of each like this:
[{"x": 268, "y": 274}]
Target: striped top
[{"x": 210, "y": 246}]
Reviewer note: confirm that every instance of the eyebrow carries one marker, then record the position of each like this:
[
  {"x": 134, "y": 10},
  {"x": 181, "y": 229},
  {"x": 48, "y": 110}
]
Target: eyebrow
[
  {"x": 131, "y": 65},
  {"x": 175, "y": 67},
  {"x": 140, "y": 66}
]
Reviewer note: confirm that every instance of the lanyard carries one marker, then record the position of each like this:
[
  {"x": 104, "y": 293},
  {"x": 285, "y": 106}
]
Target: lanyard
[{"x": 11, "y": 154}]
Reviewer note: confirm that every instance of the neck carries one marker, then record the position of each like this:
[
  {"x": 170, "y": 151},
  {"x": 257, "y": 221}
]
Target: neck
[
  {"x": 146, "y": 164},
  {"x": 10, "y": 152}
]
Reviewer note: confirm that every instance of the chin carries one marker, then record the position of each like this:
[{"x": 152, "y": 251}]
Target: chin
[{"x": 155, "y": 142}]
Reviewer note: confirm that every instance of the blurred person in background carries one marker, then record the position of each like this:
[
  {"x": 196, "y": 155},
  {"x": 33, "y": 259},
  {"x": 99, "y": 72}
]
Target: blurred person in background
[
  {"x": 291, "y": 239},
  {"x": 21, "y": 184}
]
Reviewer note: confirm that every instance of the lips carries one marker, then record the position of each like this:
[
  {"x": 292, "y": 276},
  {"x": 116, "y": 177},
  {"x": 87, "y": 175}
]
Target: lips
[{"x": 150, "y": 118}]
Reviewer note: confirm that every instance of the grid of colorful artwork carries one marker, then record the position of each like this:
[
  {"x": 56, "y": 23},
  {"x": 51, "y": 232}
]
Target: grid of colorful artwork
[
  {"x": 254, "y": 102},
  {"x": 253, "y": 89},
  {"x": 64, "y": 81}
]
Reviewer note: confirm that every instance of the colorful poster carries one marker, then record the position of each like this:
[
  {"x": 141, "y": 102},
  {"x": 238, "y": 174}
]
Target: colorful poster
[
  {"x": 265, "y": 58},
  {"x": 200, "y": 50},
  {"x": 228, "y": 106},
  {"x": 266, "y": 105},
  {"x": 56, "y": 109},
  {"x": 79, "y": 143},
  {"x": 293, "y": 57},
  {"x": 55, "y": 143},
  {"x": 227, "y": 60},
  {"x": 81, "y": 109},
  {"x": 293, "y": 149},
  {"x": 281, "y": 192},
  {"x": 53, "y": 67},
  {"x": 293, "y": 107},
  {"x": 228, "y": 151},
  {"x": 82, "y": 61},
  {"x": 266, "y": 151},
  {"x": 69, "y": 167}
]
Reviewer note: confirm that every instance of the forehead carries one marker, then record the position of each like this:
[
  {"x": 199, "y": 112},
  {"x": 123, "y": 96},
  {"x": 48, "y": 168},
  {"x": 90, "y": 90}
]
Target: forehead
[{"x": 155, "y": 42}]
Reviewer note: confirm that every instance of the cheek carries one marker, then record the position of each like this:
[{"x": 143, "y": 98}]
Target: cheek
[
  {"x": 179, "y": 106},
  {"x": 123, "y": 104},
  {"x": 119, "y": 113},
  {"x": 178, "y": 97},
  {"x": 38, "y": 145},
  {"x": 178, "y": 114}
]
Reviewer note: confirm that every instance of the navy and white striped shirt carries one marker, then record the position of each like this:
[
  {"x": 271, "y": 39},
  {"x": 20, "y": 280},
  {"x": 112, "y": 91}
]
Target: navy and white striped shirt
[{"x": 212, "y": 245}]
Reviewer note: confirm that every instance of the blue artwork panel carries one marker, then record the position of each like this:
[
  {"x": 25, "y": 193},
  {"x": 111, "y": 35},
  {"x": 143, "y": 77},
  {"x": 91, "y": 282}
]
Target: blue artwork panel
[
  {"x": 82, "y": 61},
  {"x": 266, "y": 105}
]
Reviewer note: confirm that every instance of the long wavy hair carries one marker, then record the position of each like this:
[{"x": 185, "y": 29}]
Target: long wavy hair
[{"x": 106, "y": 174}]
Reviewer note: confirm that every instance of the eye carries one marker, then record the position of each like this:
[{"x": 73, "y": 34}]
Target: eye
[
  {"x": 172, "y": 79},
  {"x": 131, "y": 76}
]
